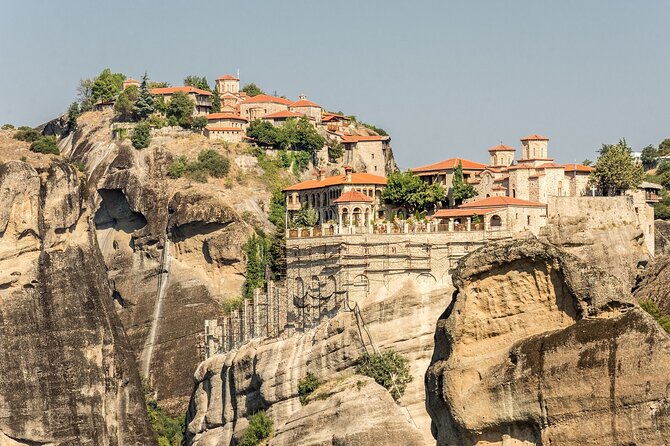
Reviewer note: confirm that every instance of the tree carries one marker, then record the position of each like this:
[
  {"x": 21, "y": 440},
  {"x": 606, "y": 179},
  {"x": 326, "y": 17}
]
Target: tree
[
  {"x": 461, "y": 190},
  {"x": 199, "y": 123},
  {"x": 615, "y": 170},
  {"x": 263, "y": 132},
  {"x": 141, "y": 135},
  {"x": 587, "y": 162},
  {"x": 216, "y": 164},
  {"x": 306, "y": 218},
  {"x": 256, "y": 253},
  {"x": 664, "y": 147},
  {"x": 259, "y": 429},
  {"x": 389, "y": 369},
  {"x": 25, "y": 133},
  {"x": 144, "y": 105},
  {"x": 335, "y": 150},
  {"x": 648, "y": 157},
  {"x": 46, "y": 144},
  {"x": 252, "y": 89},
  {"x": 181, "y": 108},
  {"x": 107, "y": 85},
  {"x": 125, "y": 103},
  {"x": 307, "y": 138},
  {"x": 197, "y": 82},
  {"x": 216, "y": 101},
  {"x": 73, "y": 113},
  {"x": 85, "y": 94},
  {"x": 410, "y": 191}
]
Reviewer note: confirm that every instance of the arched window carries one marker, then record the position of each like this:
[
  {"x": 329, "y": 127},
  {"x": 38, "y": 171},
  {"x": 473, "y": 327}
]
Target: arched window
[{"x": 496, "y": 221}]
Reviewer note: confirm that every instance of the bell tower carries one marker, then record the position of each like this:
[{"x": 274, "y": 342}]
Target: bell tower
[{"x": 535, "y": 148}]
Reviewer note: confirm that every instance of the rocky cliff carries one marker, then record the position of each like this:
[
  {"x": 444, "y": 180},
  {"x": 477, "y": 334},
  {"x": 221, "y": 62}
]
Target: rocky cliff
[
  {"x": 264, "y": 374},
  {"x": 538, "y": 347},
  {"x": 67, "y": 373}
]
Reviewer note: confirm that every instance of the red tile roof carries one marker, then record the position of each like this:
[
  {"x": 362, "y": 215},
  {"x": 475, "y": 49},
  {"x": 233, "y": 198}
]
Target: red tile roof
[
  {"x": 227, "y": 77},
  {"x": 225, "y": 116},
  {"x": 500, "y": 202},
  {"x": 331, "y": 116},
  {"x": 502, "y": 148},
  {"x": 460, "y": 212},
  {"x": 449, "y": 164},
  {"x": 267, "y": 98},
  {"x": 283, "y": 114},
  {"x": 359, "y": 138},
  {"x": 578, "y": 168},
  {"x": 501, "y": 179},
  {"x": 131, "y": 80},
  {"x": 535, "y": 137},
  {"x": 353, "y": 196},
  {"x": 550, "y": 166},
  {"x": 356, "y": 178},
  {"x": 171, "y": 90},
  {"x": 305, "y": 103},
  {"x": 221, "y": 129},
  {"x": 499, "y": 188}
]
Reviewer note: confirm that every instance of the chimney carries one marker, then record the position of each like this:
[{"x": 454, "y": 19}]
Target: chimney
[
  {"x": 303, "y": 97},
  {"x": 320, "y": 175},
  {"x": 347, "y": 173}
]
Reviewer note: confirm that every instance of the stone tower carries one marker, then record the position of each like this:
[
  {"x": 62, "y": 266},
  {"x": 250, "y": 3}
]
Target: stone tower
[
  {"x": 535, "y": 148},
  {"x": 501, "y": 156},
  {"x": 228, "y": 84}
]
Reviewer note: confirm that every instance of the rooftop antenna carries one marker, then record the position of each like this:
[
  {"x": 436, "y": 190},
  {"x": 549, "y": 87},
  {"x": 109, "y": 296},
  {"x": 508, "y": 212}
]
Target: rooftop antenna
[{"x": 238, "y": 74}]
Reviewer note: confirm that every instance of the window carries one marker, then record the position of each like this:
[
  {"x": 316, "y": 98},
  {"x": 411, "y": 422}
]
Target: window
[{"x": 528, "y": 218}]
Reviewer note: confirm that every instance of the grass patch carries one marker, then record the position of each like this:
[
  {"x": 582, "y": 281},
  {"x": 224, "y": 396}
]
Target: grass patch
[{"x": 655, "y": 312}]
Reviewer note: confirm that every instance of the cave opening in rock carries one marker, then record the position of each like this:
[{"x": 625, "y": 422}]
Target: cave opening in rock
[{"x": 115, "y": 213}]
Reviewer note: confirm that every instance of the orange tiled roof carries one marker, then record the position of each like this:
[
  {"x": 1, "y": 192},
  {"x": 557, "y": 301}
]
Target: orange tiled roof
[
  {"x": 353, "y": 196},
  {"x": 305, "y": 103},
  {"x": 359, "y": 138},
  {"x": 227, "y": 77},
  {"x": 501, "y": 179},
  {"x": 550, "y": 166},
  {"x": 500, "y": 202},
  {"x": 221, "y": 129},
  {"x": 283, "y": 114},
  {"x": 499, "y": 188},
  {"x": 267, "y": 98},
  {"x": 171, "y": 90},
  {"x": 225, "y": 116},
  {"x": 460, "y": 212},
  {"x": 451, "y": 163},
  {"x": 356, "y": 178},
  {"x": 578, "y": 168},
  {"x": 502, "y": 148},
  {"x": 535, "y": 137},
  {"x": 131, "y": 80},
  {"x": 331, "y": 116}
]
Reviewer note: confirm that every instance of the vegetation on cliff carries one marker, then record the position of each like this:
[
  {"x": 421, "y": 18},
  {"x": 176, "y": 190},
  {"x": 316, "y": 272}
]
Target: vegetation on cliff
[
  {"x": 615, "y": 170},
  {"x": 307, "y": 386},
  {"x": 260, "y": 428},
  {"x": 655, "y": 312},
  {"x": 169, "y": 430},
  {"x": 295, "y": 134},
  {"x": 209, "y": 163},
  {"x": 410, "y": 191},
  {"x": 389, "y": 369}
]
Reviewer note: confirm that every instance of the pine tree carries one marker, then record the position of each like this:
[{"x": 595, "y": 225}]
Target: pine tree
[
  {"x": 216, "y": 101},
  {"x": 144, "y": 106}
]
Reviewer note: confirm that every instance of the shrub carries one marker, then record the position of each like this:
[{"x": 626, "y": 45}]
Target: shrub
[
  {"x": 390, "y": 370},
  {"x": 230, "y": 304},
  {"x": 141, "y": 137},
  {"x": 307, "y": 386},
  {"x": 46, "y": 144},
  {"x": 260, "y": 428},
  {"x": 212, "y": 161},
  {"x": 7, "y": 127},
  {"x": 168, "y": 430},
  {"x": 655, "y": 312},
  {"x": 195, "y": 172},
  {"x": 199, "y": 123},
  {"x": 177, "y": 168},
  {"x": 156, "y": 121},
  {"x": 27, "y": 134},
  {"x": 335, "y": 150}
]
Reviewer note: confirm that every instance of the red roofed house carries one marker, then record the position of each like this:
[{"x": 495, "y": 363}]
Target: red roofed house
[
  {"x": 202, "y": 99},
  {"x": 307, "y": 108},
  {"x": 352, "y": 200},
  {"x": 130, "y": 81},
  {"x": 225, "y": 126},
  {"x": 228, "y": 87},
  {"x": 256, "y": 107},
  {"x": 335, "y": 123},
  {"x": 443, "y": 172}
]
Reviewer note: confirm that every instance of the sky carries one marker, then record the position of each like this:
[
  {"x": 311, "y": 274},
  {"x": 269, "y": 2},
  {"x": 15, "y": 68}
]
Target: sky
[{"x": 443, "y": 78}]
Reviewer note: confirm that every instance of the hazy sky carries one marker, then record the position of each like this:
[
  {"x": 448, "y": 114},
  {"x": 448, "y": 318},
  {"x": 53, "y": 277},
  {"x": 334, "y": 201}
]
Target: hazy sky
[{"x": 443, "y": 78}]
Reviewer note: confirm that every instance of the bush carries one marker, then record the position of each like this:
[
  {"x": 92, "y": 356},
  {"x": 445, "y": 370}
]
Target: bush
[
  {"x": 156, "y": 121},
  {"x": 260, "y": 428},
  {"x": 390, "y": 370},
  {"x": 27, "y": 134},
  {"x": 199, "y": 123},
  {"x": 307, "y": 386},
  {"x": 212, "y": 161},
  {"x": 230, "y": 304},
  {"x": 141, "y": 137},
  {"x": 7, "y": 127},
  {"x": 46, "y": 144},
  {"x": 655, "y": 312},
  {"x": 335, "y": 150},
  {"x": 177, "y": 168},
  {"x": 168, "y": 430},
  {"x": 196, "y": 173}
]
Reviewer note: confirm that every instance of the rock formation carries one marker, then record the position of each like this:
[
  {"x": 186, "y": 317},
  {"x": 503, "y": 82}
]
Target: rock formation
[
  {"x": 264, "y": 374},
  {"x": 67, "y": 374},
  {"x": 538, "y": 347},
  {"x": 662, "y": 237}
]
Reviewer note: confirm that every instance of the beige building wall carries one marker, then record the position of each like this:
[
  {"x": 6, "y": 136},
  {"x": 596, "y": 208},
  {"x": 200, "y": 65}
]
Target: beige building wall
[
  {"x": 256, "y": 110},
  {"x": 518, "y": 183},
  {"x": 535, "y": 149},
  {"x": 373, "y": 155},
  {"x": 224, "y": 135}
]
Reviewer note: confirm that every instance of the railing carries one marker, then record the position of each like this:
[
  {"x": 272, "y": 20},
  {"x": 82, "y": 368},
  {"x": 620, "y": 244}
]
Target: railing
[{"x": 388, "y": 228}]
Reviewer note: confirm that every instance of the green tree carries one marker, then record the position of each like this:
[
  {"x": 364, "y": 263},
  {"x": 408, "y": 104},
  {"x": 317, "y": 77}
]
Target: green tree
[
  {"x": 389, "y": 369},
  {"x": 197, "y": 82},
  {"x": 306, "y": 218},
  {"x": 125, "y": 103},
  {"x": 410, "y": 191},
  {"x": 216, "y": 101},
  {"x": 25, "y": 133},
  {"x": 615, "y": 170},
  {"x": 85, "y": 94},
  {"x": 307, "y": 386},
  {"x": 144, "y": 105},
  {"x": 46, "y": 144},
  {"x": 664, "y": 147},
  {"x": 7, "y": 127},
  {"x": 263, "y": 132},
  {"x": 460, "y": 188},
  {"x": 180, "y": 107},
  {"x": 587, "y": 162},
  {"x": 335, "y": 150},
  {"x": 307, "y": 138},
  {"x": 73, "y": 113},
  {"x": 199, "y": 123},
  {"x": 256, "y": 251},
  {"x": 168, "y": 430},
  {"x": 178, "y": 167},
  {"x": 216, "y": 164},
  {"x": 141, "y": 137},
  {"x": 107, "y": 85},
  {"x": 648, "y": 157},
  {"x": 277, "y": 217},
  {"x": 252, "y": 89}
]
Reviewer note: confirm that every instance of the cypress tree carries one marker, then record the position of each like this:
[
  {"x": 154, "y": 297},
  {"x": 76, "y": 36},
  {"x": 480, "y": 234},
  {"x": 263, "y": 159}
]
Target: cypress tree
[
  {"x": 144, "y": 106},
  {"x": 216, "y": 101}
]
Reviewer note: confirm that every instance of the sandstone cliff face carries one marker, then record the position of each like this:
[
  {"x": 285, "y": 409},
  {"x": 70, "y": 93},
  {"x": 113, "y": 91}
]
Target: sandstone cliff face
[
  {"x": 662, "y": 237},
  {"x": 264, "y": 374},
  {"x": 539, "y": 348},
  {"x": 67, "y": 374}
]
